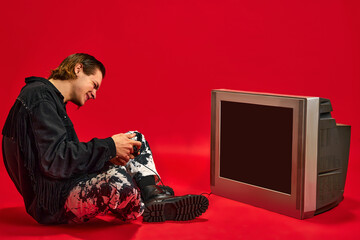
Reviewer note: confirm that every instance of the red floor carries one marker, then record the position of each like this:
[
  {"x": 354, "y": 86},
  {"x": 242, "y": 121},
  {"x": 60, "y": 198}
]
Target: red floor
[{"x": 225, "y": 219}]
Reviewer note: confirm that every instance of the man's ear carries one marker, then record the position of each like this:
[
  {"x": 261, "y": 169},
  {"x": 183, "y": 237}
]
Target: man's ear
[{"x": 78, "y": 68}]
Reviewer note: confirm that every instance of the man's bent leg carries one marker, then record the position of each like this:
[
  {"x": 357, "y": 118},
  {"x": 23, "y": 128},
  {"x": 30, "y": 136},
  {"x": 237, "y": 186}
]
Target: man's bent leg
[
  {"x": 142, "y": 168},
  {"x": 162, "y": 205},
  {"x": 143, "y": 165},
  {"x": 112, "y": 189}
]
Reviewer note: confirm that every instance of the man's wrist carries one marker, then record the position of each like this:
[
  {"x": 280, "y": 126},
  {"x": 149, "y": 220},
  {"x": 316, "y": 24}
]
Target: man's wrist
[{"x": 112, "y": 147}]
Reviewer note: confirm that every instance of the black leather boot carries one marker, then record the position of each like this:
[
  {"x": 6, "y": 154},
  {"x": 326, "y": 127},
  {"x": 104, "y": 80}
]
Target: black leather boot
[
  {"x": 161, "y": 206},
  {"x": 168, "y": 190}
]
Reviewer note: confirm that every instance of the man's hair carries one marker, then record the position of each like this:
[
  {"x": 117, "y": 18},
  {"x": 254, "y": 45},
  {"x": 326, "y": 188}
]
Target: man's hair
[{"x": 66, "y": 70}]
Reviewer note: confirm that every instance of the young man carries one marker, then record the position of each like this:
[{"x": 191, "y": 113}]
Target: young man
[{"x": 63, "y": 180}]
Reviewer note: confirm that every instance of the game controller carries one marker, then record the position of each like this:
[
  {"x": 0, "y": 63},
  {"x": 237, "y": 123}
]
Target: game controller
[{"x": 136, "y": 151}]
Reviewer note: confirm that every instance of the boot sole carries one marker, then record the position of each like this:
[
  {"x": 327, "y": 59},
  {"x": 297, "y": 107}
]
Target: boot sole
[{"x": 183, "y": 209}]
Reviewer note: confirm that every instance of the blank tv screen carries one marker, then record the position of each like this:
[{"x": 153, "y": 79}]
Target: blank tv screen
[{"x": 256, "y": 145}]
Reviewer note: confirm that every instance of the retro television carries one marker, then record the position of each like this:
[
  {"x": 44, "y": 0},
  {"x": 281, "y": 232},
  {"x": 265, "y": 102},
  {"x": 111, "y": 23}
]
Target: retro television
[{"x": 279, "y": 152}]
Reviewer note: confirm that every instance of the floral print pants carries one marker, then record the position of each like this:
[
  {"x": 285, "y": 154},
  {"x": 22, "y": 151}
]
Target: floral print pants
[{"x": 113, "y": 189}]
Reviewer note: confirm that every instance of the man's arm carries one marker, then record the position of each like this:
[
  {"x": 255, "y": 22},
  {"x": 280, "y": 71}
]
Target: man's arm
[{"x": 60, "y": 158}]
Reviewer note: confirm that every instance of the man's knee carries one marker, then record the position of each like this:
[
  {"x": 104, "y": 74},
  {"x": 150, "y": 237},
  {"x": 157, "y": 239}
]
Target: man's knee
[{"x": 124, "y": 197}]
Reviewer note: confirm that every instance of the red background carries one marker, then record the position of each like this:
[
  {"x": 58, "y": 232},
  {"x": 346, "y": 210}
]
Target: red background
[{"x": 162, "y": 60}]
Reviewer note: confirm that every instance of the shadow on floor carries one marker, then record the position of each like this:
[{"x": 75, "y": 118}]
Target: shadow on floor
[
  {"x": 340, "y": 214},
  {"x": 16, "y": 223}
]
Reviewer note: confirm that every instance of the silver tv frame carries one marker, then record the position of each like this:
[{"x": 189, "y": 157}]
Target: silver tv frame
[{"x": 301, "y": 203}]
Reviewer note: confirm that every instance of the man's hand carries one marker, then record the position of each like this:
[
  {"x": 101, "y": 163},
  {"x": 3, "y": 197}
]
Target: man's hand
[{"x": 124, "y": 148}]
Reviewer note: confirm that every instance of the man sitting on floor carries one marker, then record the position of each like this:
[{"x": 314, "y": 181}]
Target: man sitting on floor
[{"x": 64, "y": 180}]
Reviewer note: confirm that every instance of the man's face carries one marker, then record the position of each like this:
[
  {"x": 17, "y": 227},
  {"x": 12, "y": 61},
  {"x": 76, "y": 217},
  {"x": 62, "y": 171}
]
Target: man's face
[{"x": 85, "y": 87}]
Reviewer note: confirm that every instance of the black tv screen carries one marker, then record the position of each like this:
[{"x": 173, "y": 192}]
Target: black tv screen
[{"x": 256, "y": 145}]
